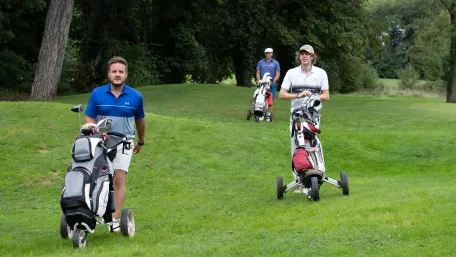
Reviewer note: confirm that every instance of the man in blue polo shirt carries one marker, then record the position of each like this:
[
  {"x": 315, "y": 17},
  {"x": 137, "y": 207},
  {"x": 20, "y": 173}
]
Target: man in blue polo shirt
[
  {"x": 124, "y": 106},
  {"x": 268, "y": 64}
]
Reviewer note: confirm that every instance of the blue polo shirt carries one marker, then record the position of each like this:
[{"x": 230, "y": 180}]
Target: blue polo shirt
[
  {"x": 264, "y": 66},
  {"x": 123, "y": 111}
]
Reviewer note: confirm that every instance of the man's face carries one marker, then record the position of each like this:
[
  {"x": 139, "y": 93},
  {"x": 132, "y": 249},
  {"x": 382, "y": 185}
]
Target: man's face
[
  {"x": 268, "y": 55},
  {"x": 117, "y": 74},
  {"x": 306, "y": 57}
]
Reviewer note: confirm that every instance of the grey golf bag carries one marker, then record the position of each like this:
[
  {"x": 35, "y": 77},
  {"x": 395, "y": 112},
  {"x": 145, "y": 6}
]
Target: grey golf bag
[{"x": 88, "y": 191}]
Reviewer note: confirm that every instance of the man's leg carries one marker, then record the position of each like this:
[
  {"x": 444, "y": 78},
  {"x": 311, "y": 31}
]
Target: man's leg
[
  {"x": 119, "y": 191},
  {"x": 273, "y": 91},
  {"x": 121, "y": 164}
]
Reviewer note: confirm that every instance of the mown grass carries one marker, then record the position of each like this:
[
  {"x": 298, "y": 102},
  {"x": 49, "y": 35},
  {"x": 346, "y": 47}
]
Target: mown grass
[{"x": 204, "y": 184}]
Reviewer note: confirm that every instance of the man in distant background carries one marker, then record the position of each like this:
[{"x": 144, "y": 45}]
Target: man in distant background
[{"x": 268, "y": 64}]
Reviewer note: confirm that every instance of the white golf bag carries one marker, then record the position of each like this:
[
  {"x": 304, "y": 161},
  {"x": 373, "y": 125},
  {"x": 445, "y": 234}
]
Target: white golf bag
[
  {"x": 260, "y": 96},
  {"x": 306, "y": 147}
]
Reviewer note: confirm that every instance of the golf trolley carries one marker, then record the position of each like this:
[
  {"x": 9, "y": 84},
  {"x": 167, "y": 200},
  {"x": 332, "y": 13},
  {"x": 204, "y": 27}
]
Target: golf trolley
[
  {"x": 88, "y": 194},
  {"x": 260, "y": 99},
  {"x": 308, "y": 161}
]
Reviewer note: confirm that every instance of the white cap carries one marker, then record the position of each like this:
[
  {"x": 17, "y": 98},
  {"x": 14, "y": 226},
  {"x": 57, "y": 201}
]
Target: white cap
[
  {"x": 307, "y": 48},
  {"x": 268, "y": 50}
]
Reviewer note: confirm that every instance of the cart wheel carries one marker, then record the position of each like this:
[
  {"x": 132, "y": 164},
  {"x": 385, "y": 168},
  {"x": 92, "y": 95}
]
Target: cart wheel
[
  {"x": 79, "y": 238},
  {"x": 344, "y": 183},
  {"x": 314, "y": 193},
  {"x": 257, "y": 118},
  {"x": 280, "y": 188},
  {"x": 249, "y": 114},
  {"x": 127, "y": 223},
  {"x": 65, "y": 231}
]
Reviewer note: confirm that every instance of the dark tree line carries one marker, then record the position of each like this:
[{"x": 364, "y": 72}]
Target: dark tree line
[{"x": 171, "y": 41}]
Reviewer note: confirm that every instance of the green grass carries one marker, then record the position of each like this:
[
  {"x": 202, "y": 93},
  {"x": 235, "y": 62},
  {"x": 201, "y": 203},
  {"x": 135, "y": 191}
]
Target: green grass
[
  {"x": 204, "y": 184},
  {"x": 390, "y": 83}
]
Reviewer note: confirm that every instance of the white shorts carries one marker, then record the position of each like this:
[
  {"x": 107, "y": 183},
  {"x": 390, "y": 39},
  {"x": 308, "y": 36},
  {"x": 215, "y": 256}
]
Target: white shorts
[{"x": 123, "y": 156}]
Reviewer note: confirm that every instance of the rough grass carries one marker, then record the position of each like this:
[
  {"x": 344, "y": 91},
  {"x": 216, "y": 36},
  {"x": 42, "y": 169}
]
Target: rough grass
[{"x": 204, "y": 184}]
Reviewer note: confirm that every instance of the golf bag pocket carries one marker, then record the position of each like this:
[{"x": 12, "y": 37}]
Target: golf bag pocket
[
  {"x": 82, "y": 150},
  {"x": 100, "y": 195},
  {"x": 301, "y": 161},
  {"x": 75, "y": 200}
]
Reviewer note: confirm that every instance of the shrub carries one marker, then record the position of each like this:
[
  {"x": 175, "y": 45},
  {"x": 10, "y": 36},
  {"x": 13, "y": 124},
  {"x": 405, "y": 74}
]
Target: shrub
[
  {"x": 408, "y": 78},
  {"x": 15, "y": 72},
  {"x": 142, "y": 65},
  {"x": 69, "y": 69},
  {"x": 438, "y": 86}
]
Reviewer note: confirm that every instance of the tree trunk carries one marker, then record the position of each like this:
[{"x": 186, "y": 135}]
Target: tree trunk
[
  {"x": 451, "y": 88},
  {"x": 243, "y": 71},
  {"x": 49, "y": 67}
]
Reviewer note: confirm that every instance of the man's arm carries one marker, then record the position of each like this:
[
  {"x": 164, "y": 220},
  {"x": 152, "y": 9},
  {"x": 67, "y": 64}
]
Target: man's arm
[
  {"x": 90, "y": 120},
  {"x": 324, "y": 96},
  {"x": 141, "y": 129},
  {"x": 287, "y": 96},
  {"x": 277, "y": 76},
  {"x": 257, "y": 75}
]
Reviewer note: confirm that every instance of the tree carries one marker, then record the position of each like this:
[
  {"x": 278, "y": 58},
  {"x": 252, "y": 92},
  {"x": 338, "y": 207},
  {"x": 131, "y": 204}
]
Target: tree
[
  {"x": 21, "y": 32},
  {"x": 450, "y": 6},
  {"x": 49, "y": 67}
]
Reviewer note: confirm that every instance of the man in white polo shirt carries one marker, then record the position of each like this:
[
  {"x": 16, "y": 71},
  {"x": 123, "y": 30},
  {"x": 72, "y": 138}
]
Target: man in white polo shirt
[{"x": 304, "y": 80}]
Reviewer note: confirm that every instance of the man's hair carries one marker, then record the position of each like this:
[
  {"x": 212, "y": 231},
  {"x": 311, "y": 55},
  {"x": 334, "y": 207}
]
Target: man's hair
[
  {"x": 298, "y": 62},
  {"x": 118, "y": 59}
]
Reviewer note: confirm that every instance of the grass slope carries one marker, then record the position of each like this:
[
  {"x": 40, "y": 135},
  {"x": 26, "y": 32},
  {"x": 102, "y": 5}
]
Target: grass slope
[{"x": 204, "y": 184}]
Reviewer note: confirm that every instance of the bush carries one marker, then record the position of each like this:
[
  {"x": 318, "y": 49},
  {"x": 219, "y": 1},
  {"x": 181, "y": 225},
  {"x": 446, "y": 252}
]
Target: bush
[
  {"x": 15, "y": 72},
  {"x": 368, "y": 79},
  {"x": 69, "y": 69},
  {"x": 408, "y": 78},
  {"x": 359, "y": 76},
  {"x": 438, "y": 86},
  {"x": 142, "y": 65}
]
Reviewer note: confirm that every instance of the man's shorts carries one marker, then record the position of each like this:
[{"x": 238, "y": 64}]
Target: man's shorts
[
  {"x": 123, "y": 156},
  {"x": 272, "y": 94}
]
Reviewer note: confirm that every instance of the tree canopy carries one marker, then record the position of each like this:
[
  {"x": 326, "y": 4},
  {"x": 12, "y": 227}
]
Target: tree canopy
[{"x": 174, "y": 41}]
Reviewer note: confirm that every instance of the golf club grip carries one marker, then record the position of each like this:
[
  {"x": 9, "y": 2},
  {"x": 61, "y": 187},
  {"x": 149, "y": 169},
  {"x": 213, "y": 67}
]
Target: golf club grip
[{"x": 113, "y": 133}]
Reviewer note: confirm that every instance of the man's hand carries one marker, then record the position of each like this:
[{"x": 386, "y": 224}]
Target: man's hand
[
  {"x": 304, "y": 94},
  {"x": 137, "y": 148}
]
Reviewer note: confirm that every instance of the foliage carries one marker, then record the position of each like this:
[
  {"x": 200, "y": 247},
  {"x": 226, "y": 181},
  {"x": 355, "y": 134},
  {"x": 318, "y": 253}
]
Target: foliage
[
  {"x": 438, "y": 86},
  {"x": 431, "y": 46},
  {"x": 408, "y": 78},
  {"x": 142, "y": 65},
  {"x": 15, "y": 72},
  {"x": 69, "y": 68},
  {"x": 397, "y": 25},
  {"x": 167, "y": 41}
]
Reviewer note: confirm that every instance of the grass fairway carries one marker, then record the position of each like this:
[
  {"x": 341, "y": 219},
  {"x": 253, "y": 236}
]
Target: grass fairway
[{"x": 204, "y": 184}]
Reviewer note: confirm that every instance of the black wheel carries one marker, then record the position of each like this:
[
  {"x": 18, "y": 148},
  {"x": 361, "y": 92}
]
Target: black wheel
[
  {"x": 79, "y": 238},
  {"x": 127, "y": 223},
  {"x": 257, "y": 118},
  {"x": 314, "y": 192},
  {"x": 249, "y": 114},
  {"x": 65, "y": 231},
  {"x": 344, "y": 183},
  {"x": 280, "y": 189}
]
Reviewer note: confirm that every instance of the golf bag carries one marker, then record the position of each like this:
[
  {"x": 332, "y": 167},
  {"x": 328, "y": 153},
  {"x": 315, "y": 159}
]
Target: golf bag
[
  {"x": 307, "y": 151},
  {"x": 261, "y": 94},
  {"x": 88, "y": 192}
]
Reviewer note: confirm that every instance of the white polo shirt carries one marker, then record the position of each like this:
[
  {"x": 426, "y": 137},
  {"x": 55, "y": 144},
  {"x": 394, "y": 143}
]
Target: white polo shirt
[{"x": 297, "y": 81}]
